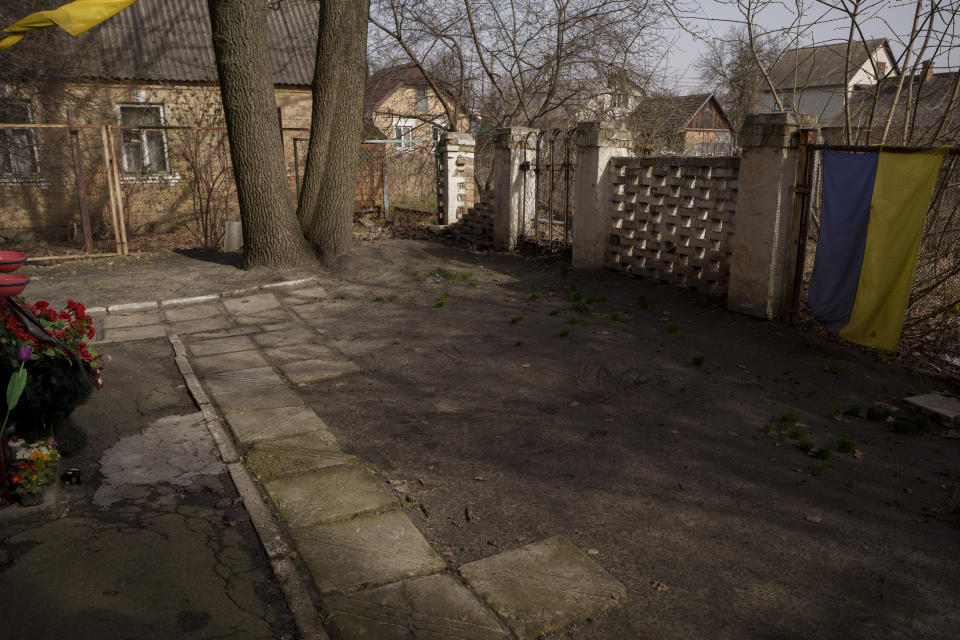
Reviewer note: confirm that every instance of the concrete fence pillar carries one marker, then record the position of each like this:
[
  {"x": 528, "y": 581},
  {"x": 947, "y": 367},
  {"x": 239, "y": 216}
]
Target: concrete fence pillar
[
  {"x": 514, "y": 185},
  {"x": 766, "y": 219},
  {"x": 456, "y": 188},
  {"x": 597, "y": 143}
]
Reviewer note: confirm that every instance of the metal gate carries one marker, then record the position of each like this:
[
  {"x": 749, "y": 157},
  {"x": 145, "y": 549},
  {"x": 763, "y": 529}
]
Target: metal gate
[
  {"x": 932, "y": 322},
  {"x": 550, "y": 226}
]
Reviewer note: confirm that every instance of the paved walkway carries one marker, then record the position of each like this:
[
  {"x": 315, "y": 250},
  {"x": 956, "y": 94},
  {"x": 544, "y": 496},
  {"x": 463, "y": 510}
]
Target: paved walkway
[{"x": 376, "y": 574}]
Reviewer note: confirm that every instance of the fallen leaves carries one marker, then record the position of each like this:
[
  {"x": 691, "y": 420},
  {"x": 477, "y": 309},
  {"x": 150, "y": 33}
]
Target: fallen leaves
[
  {"x": 814, "y": 519},
  {"x": 659, "y": 586}
]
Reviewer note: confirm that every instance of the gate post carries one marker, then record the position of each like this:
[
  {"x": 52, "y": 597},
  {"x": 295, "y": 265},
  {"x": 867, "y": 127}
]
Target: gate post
[
  {"x": 597, "y": 144},
  {"x": 766, "y": 228},
  {"x": 514, "y": 185},
  {"x": 456, "y": 176}
]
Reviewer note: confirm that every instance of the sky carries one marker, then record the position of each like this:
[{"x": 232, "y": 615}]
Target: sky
[{"x": 892, "y": 18}]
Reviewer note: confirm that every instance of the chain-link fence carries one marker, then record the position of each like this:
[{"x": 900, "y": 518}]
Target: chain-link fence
[
  {"x": 932, "y": 324},
  {"x": 77, "y": 189}
]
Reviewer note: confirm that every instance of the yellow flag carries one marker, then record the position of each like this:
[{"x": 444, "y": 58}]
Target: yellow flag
[{"x": 74, "y": 18}]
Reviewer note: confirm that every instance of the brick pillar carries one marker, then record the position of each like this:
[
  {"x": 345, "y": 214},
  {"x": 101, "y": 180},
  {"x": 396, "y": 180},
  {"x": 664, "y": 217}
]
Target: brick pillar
[
  {"x": 766, "y": 222},
  {"x": 597, "y": 144},
  {"x": 456, "y": 188},
  {"x": 514, "y": 185}
]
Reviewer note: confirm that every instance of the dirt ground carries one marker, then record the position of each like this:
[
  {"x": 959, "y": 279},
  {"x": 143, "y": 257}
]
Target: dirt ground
[{"x": 510, "y": 399}]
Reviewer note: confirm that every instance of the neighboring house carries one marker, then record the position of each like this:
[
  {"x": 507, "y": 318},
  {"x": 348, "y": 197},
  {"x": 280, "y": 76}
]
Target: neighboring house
[
  {"x": 400, "y": 102},
  {"x": 151, "y": 64},
  {"x": 812, "y": 80},
  {"x": 931, "y": 99},
  {"x": 693, "y": 125}
]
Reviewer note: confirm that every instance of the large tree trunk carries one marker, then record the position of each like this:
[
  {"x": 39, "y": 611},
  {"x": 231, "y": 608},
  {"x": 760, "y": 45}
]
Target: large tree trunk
[
  {"x": 326, "y": 199},
  {"x": 271, "y": 234}
]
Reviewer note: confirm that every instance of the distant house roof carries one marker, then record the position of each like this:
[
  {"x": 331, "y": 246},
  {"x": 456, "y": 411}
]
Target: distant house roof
[
  {"x": 170, "y": 41},
  {"x": 931, "y": 100},
  {"x": 822, "y": 65},
  {"x": 674, "y": 113}
]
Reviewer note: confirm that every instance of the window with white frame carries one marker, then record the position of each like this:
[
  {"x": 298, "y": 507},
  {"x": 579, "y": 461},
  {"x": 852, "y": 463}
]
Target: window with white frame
[
  {"x": 620, "y": 100},
  {"x": 403, "y": 131},
  {"x": 18, "y": 147},
  {"x": 143, "y": 150}
]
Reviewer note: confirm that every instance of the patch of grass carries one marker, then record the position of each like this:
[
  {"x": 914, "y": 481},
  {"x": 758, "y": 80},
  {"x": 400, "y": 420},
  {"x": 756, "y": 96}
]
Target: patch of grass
[
  {"x": 615, "y": 318},
  {"x": 583, "y": 308},
  {"x": 912, "y": 425},
  {"x": 339, "y": 296},
  {"x": 811, "y": 392},
  {"x": 846, "y": 445},
  {"x": 834, "y": 412},
  {"x": 518, "y": 343},
  {"x": 643, "y": 303},
  {"x": 768, "y": 428},
  {"x": 516, "y": 319},
  {"x": 554, "y": 312},
  {"x": 804, "y": 445},
  {"x": 923, "y": 387},
  {"x": 877, "y": 414},
  {"x": 698, "y": 360},
  {"x": 788, "y": 418},
  {"x": 442, "y": 299},
  {"x": 565, "y": 333},
  {"x": 535, "y": 294},
  {"x": 796, "y": 433},
  {"x": 392, "y": 298},
  {"x": 378, "y": 299},
  {"x": 822, "y": 453},
  {"x": 832, "y": 367},
  {"x": 564, "y": 268},
  {"x": 820, "y": 469},
  {"x": 596, "y": 299},
  {"x": 673, "y": 329},
  {"x": 853, "y": 410},
  {"x": 702, "y": 301},
  {"x": 572, "y": 294},
  {"x": 754, "y": 382}
]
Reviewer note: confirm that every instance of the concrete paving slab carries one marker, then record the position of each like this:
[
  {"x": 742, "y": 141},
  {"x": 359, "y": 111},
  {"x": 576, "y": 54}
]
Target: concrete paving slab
[
  {"x": 430, "y": 608},
  {"x": 276, "y": 458},
  {"x": 295, "y": 352},
  {"x": 329, "y": 495},
  {"x": 369, "y": 550},
  {"x": 242, "y": 380},
  {"x": 128, "y": 334},
  {"x": 271, "y": 397},
  {"x": 268, "y": 317},
  {"x": 309, "y": 292},
  {"x": 119, "y": 320},
  {"x": 312, "y": 311},
  {"x": 221, "y": 345},
  {"x": 269, "y": 423},
  {"x": 543, "y": 586},
  {"x": 248, "y": 305},
  {"x": 192, "y": 312},
  {"x": 217, "y": 323},
  {"x": 286, "y": 337},
  {"x": 225, "y": 333},
  {"x": 230, "y": 361},
  {"x": 939, "y": 405},
  {"x": 318, "y": 370}
]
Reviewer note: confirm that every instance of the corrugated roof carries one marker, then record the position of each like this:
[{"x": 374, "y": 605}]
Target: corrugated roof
[
  {"x": 170, "y": 41},
  {"x": 821, "y": 65}
]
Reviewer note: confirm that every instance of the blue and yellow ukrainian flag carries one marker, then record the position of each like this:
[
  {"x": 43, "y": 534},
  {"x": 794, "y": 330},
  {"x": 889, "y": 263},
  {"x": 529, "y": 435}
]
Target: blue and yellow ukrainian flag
[
  {"x": 74, "y": 18},
  {"x": 874, "y": 209}
]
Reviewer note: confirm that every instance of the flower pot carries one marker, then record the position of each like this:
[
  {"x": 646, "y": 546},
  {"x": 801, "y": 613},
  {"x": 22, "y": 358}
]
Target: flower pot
[
  {"x": 10, "y": 261},
  {"x": 12, "y": 285},
  {"x": 30, "y": 499}
]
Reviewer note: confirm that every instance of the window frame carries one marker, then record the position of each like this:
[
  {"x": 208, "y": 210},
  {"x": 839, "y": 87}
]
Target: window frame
[
  {"x": 31, "y": 133},
  {"x": 143, "y": 172},
  {"x": 421, "y": 99}
]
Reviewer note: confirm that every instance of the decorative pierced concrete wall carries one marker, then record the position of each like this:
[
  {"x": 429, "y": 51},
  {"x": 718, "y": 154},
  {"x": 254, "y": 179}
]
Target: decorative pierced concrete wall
[{"x": 673, "y": 219}]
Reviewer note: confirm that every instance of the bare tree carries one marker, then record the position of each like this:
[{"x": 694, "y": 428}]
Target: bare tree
[{"x": 526, "y": 60}]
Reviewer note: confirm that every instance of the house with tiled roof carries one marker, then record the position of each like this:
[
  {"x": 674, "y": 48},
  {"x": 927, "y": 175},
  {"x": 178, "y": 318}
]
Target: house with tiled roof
[
  {"x": 151, "y": 65},
  {"x": 815, "y": 79},
  {"x": 692, "y": 125},
  {"x": 401, "y": 102}
]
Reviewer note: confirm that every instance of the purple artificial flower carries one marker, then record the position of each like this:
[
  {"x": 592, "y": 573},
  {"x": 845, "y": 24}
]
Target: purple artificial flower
[{"x": 23, "y": 353}]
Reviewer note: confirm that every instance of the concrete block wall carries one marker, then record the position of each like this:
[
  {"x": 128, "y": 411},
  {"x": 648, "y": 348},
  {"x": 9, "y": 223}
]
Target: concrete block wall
[{"x": 672, "y": 219}]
